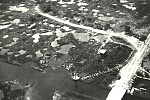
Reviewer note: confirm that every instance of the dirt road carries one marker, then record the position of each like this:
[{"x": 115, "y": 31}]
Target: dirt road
[{"x": 128, "y": 72}]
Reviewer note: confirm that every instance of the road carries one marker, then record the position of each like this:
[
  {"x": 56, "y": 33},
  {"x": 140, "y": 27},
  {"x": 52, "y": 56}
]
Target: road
[
  {"x": 133, "y": 41},
  {"x": 128, "y": 72}
]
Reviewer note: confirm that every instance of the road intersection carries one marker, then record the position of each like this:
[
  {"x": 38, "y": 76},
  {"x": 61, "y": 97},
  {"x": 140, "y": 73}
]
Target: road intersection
[{"x": 128, "y": 72}]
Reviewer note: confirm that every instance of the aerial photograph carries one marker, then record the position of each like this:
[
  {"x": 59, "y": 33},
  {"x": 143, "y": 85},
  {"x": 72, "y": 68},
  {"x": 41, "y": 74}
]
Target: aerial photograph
[{"x": 74, "y": 49}]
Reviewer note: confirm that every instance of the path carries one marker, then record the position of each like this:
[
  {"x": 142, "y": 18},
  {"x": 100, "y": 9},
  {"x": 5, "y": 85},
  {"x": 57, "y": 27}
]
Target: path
[
  {"x": 133, "y": 41},
  {"x": 129, "y": 70}
]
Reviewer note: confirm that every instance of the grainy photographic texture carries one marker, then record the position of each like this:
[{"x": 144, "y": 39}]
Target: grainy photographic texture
[{"x": 74, "y": 50}]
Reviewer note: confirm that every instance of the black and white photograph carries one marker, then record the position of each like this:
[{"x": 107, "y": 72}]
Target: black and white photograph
[{"x": 74, "y": 49}]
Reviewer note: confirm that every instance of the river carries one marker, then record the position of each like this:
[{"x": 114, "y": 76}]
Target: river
[
  {"x": 47, "y": 84},
  {"x": 53, "y": 80},
  {"x": 56, "y": 80}
]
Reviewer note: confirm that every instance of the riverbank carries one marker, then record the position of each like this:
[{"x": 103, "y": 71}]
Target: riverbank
[
  {"x": 53, "y": 80},
  {"x": 47, "y": 84}
]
